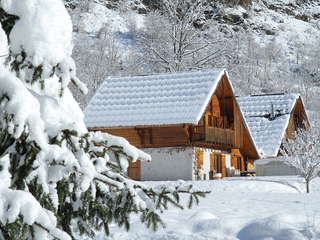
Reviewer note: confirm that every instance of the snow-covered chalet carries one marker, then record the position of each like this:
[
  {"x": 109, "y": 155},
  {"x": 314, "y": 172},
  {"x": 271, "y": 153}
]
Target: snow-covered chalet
[
  {"x": 270, "y": 119},
  {"x": 189, "y": 123}
]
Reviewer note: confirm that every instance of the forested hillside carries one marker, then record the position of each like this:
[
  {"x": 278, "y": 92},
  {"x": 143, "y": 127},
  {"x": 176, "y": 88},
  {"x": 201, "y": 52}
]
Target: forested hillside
[{"x": 267, "y": 46}]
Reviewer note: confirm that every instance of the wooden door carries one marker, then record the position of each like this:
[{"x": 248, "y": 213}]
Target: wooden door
[
  {"x": 134, "y": 170},
  {"x": 218, "y": 163}
]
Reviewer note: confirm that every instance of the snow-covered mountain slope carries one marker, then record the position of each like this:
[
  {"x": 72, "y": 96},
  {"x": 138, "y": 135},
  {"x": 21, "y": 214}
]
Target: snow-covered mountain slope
[
  {"x": 275, "y": 44},
  {"x": 282, "y": 20}
]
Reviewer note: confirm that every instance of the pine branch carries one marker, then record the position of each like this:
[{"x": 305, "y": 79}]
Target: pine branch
[{"x": 47, "y": 230}]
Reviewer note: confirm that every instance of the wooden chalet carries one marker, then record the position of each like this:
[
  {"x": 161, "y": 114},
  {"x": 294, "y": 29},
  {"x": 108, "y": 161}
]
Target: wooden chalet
[
  {"x": 189, "y": 123},
  {"x": 271, "y": 118}
]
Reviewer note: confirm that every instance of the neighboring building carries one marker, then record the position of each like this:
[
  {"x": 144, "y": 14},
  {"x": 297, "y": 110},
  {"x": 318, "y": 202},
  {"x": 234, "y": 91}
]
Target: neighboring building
[
  {"x": 189, "y": 122},
  {"x": 275, "y": 166},
  {"x": 270, "y": 119}
]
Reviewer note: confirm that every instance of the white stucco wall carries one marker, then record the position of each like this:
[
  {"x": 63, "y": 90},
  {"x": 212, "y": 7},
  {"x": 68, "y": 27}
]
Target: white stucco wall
[
  {"x": 167, "y": 164},
  {"x": 177, "y": 163}
]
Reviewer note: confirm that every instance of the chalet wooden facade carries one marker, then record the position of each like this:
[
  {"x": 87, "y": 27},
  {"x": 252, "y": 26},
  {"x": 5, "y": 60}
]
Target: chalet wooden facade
[
  {"x": 201, "y": 131},
  {"x": 271, "y": 118}
]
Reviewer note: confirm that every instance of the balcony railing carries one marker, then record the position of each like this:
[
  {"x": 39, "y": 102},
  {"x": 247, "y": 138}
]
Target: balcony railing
[{"x": 214, "y": 135}]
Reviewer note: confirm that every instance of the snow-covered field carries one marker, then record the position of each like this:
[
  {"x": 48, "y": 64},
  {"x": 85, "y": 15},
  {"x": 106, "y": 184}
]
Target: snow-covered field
[{"x": 239, "y": 208}]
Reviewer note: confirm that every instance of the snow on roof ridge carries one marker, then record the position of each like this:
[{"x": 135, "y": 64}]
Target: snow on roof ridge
[
  {"x": 266, "y": 94},
  {"x": 271, "y": 94},
  {"x": 168, "y": 73}
]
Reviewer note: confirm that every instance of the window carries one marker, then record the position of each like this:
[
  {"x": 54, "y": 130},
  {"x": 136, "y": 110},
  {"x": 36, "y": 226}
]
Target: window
[
  {"x": 217, "y": 162},
  {"x": 209, "y": 122}
]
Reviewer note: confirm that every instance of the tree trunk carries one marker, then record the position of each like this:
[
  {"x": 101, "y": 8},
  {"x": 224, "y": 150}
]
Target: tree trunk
[{"x": 307, "y": 183}]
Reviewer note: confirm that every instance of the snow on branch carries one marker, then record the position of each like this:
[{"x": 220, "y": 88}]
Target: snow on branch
[
  {"x": 57, "y": 178},
  {"x": 303, "y": 151},
  {"x": 181, "y": 38}
]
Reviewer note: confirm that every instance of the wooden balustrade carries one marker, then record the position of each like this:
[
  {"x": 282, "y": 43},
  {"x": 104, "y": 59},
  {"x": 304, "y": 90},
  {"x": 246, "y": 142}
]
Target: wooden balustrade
[{"x": 214, "y": 135}]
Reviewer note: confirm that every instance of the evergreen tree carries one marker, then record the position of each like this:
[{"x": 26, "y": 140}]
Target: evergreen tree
[{"x": 56, "y": 177}]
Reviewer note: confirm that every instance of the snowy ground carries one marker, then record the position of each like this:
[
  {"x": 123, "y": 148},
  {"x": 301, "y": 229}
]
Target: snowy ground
[{"x": 239, "y": 208}]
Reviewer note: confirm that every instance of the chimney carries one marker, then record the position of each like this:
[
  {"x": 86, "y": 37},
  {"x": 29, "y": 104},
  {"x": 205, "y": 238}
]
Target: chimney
[{"x": 272, "y": 111}]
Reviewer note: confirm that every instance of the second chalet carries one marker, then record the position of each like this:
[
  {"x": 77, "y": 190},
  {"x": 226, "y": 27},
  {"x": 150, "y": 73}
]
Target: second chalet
[
  {"x": 272, "y": 118},
  {"x": 188, "y": 122}
]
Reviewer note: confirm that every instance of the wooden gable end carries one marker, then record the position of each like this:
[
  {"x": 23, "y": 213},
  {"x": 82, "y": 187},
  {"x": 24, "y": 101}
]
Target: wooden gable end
[
  {"x": 290, "y": 132},
  {"x": 224, "y": 124},
  {"x": 299, "y": 114},
  {"x": 219, "y": 110},
  {"x": 243, "y": 141},
  {"x": 248, "y": 150},
  {"x": 298, "y": 119},
  {"x": 216, "y": 127}
]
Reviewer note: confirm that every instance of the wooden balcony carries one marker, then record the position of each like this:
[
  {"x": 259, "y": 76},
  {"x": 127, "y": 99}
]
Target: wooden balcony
[{"x": 214, "y": 135}]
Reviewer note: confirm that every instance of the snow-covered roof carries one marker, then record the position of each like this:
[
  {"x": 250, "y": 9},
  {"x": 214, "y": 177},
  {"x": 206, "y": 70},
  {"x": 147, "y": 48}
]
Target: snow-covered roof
[
  {"x": 267, "y": 133},
  {"x": 174, "y": 98},
  {"x": 265, "y": 161}
]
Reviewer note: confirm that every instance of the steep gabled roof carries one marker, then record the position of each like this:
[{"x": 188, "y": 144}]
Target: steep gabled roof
[
  {"x": 174, "y": 98},
  {"x": 268, "y": 132}
]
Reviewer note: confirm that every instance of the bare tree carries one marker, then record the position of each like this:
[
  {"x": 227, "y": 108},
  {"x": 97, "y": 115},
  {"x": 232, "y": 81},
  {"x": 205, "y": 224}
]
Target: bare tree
[
  {"x": 246, "y": 69},
  {"x": 96, "y": 58},
  {"x": 180, "y": 38},
  {"x": 303, "y": 152},
  {"x": 261, "y": 66}
]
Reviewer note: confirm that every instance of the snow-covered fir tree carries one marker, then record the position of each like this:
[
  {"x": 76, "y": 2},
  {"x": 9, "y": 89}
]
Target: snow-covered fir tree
[{"x": 56, "y": 177}]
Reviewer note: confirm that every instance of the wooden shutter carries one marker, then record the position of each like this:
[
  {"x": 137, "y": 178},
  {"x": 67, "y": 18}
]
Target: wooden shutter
[
  {"x": 223, "y": 165},
  {"x": 200, "y": 157},
  {"x": 211, "y": 161},
  {"x": 234, "y": 160}
]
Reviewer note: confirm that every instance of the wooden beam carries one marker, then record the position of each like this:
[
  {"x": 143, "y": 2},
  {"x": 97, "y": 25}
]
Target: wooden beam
[
  {"x": 140, "y": 132},
  {"x": 188, "y": 134},
  {"x": 224, "y": 103},
  {"x": 150, "y": 136},
  {"x": 299, "y": 125}
]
